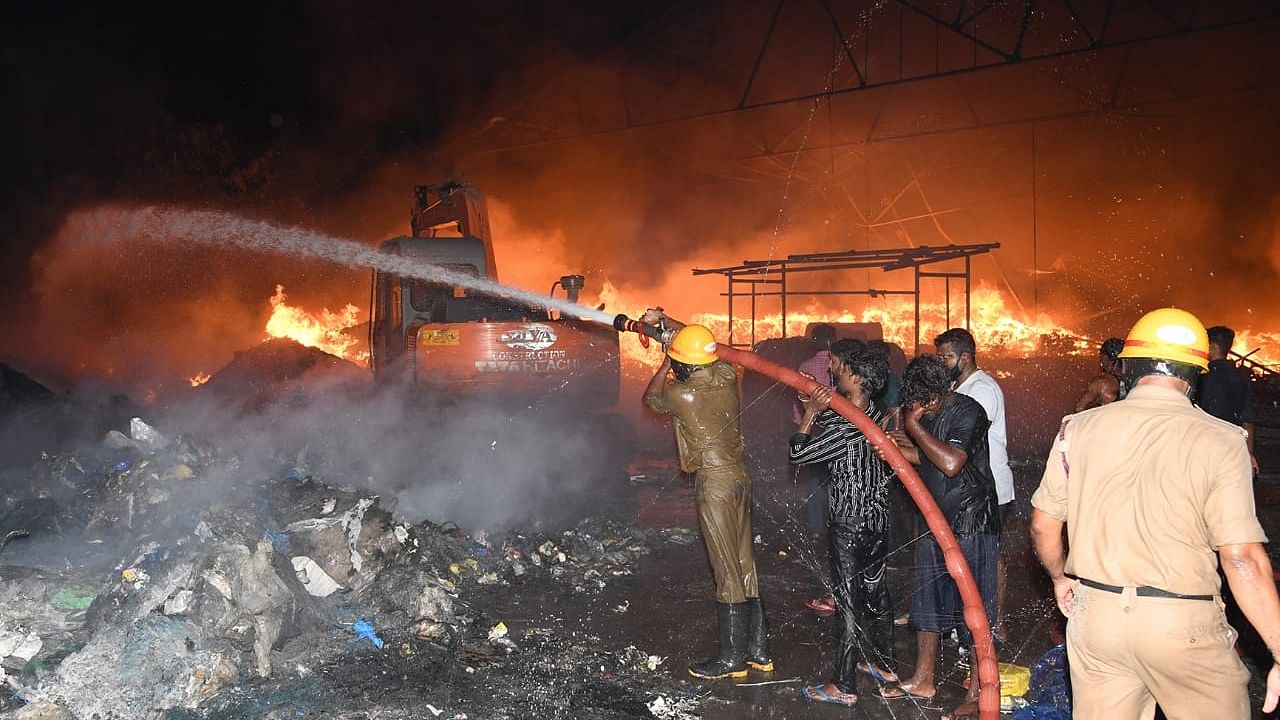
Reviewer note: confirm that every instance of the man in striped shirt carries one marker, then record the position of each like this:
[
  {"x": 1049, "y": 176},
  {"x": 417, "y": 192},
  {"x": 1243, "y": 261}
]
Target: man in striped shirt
[
  {"x": 815, "y": 477},
  {"x": 858, "y": 520}
]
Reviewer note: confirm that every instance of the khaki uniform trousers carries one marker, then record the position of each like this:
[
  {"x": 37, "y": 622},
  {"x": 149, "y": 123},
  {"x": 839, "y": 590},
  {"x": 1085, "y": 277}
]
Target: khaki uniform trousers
[
  {"x": 1128, "y": 653},
  {"x": 723, "y": 497}
]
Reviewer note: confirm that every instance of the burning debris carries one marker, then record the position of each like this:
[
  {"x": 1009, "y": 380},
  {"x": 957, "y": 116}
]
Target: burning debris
[{"x": 161, "y": 575}]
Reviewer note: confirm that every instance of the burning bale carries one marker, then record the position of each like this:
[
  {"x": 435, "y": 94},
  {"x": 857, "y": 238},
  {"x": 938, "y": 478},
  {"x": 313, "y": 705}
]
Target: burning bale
[{"x": 279, "y": 368}]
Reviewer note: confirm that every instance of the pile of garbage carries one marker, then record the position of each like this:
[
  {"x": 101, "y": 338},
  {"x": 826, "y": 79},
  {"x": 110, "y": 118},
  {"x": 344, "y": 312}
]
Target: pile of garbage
[{"x": 156, "y": 576}]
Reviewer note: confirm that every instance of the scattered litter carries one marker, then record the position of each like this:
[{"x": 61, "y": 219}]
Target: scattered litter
[
  {"x": 22, "y": 643},
  {"x": 679, "y": 536},
  {"x": 762, "y": 683},
  {"x": 364, "y": 630},
  {"x": 329, "y": 506},
  {"x": 498, "y": 631},
  {"x": 626, "y": 605},
  {"x": 146, "y": 435},
  {"x": 135, "y": 576},
  {"x": 68, "y": 599},
  {"x": 180, "y": 603},
  {"x": 666, "y": 708},
  {"x": 434, "y": 711},
  {"x": 313, "y": 577}
]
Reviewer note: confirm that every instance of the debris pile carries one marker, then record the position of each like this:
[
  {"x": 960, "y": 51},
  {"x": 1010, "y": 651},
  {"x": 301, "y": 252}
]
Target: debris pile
[{"x": 162, "y": 575}]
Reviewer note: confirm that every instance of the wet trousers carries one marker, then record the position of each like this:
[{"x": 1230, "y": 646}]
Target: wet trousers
[
  {"x": 815, "y": 503},
  {"x": 862, "y": 601},
  {"x": 1128, "y": 653},
  {"x": 723, "y": 497}
]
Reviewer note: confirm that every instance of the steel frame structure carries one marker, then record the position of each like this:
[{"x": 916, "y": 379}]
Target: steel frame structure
[{"x": 773, "y": 273}]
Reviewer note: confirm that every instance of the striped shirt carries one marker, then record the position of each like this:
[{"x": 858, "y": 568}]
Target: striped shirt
[{"x": 859, "y": 487}]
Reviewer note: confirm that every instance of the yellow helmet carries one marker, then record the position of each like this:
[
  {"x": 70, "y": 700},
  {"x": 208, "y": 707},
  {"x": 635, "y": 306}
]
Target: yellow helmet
[
  {"x": 1169, "y": 334},
  {"x": 693, "y": 345}
]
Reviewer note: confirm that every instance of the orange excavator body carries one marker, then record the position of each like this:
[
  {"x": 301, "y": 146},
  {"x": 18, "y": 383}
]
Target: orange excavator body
[{"x": 456, "y": 342}]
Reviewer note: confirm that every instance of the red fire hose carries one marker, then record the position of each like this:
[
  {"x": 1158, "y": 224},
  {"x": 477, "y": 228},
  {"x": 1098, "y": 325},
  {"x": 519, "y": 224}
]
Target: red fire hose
[{"x": 974, "y": 615}]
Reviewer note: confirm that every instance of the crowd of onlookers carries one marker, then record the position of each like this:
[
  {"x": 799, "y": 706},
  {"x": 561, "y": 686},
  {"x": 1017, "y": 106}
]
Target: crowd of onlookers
[
  {"x": 1150, "y": 490},
  {"x": 948, "y": 418}
]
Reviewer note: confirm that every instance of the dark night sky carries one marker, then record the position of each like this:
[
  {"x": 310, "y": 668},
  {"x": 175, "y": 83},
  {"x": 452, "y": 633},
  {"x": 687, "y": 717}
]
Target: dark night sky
[{"x": 325, "y": 114}]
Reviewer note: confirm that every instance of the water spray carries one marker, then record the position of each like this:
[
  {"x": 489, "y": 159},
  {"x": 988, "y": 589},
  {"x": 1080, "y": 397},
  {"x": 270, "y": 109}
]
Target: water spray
[
  {"x": 975, "y": 617},
  {"x": 106, "y": 224}
]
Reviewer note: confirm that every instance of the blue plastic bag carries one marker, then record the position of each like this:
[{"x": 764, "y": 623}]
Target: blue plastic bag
[
  {"x": 364, "y": 629},
  {"x": 1050, "y": 692}
]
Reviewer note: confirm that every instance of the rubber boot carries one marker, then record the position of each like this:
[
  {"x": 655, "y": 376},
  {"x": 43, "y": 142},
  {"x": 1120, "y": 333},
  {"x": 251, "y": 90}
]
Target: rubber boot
[
  {"x": 758, "y": 655},
  {"x": 731, "y": 663}
]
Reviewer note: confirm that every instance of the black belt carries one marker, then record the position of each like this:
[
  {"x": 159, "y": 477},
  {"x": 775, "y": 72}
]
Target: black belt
[{"x": 1142, "y": 591}]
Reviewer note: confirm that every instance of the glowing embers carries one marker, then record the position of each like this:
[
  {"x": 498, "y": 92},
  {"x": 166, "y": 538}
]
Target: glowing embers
[
  {"x": 199, "y": 379},
  {"x": 325, "y": 330}
]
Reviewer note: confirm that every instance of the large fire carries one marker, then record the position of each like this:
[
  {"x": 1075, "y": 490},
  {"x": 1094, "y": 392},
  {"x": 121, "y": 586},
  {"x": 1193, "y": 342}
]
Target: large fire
[
  {"x": 326, "y": 330},
  {"x": 996, "y": 328}
]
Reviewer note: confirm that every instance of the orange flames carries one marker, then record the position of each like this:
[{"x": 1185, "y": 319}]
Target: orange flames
[
  {"x": 326, "y": 330},
  {"x": 199, "y": 379},
  {"x": 1259, "y": 346},
  {"x": 996, "y": 328}
]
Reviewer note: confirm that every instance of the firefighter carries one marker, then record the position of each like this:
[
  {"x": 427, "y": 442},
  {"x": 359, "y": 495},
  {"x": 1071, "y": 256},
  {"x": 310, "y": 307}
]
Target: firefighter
[
  {"x": 1155, "y": 496},
  {"x": 703, "y": 400}
]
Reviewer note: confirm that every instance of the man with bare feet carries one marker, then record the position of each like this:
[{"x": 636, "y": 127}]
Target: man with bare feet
[{"x": 945, "y": 436}]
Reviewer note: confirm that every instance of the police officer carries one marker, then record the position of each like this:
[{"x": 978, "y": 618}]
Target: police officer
[
  {"x": 703, "y": 400},
  {"x": 1154, "y": 493}
]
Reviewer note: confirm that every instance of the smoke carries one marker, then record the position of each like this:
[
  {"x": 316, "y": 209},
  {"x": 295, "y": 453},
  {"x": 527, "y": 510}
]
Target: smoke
[
  {"x": 477, "y": 463},
  {"x": 568, "y": 126}
]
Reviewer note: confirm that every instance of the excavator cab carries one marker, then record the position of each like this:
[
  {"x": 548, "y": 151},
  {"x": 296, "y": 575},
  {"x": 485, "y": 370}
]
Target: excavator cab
[{"x": 448, "y": 338}]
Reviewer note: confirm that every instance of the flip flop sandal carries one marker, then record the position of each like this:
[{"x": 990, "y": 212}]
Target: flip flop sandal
[{"x": 817, "y": 694}]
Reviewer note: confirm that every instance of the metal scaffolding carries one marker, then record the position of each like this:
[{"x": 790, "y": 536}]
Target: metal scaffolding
[{"x": 773, "y": 273}]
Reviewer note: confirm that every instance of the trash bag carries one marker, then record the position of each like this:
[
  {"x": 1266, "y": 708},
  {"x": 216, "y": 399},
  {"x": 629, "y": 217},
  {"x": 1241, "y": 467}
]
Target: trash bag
[
  {"x": 1049, "y": 696},
  {"x": 1041, "y": 712}
]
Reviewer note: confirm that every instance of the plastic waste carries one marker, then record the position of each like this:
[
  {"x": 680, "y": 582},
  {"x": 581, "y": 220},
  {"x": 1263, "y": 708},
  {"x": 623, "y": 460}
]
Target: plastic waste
[
  {"x": 313, "y": 578},
  {"x": 1049, "y": 691},
  {"x": 69, "y": 599},
  {"x": 19, "y": 642},
  {"x": 146, "y": 435},
  {"x": 364, "y": 629}
]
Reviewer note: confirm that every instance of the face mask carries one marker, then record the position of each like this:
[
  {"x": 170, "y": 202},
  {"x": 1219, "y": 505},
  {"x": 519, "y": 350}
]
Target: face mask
[
  {"x": 955, "y": 372},
  {"x": 682, "y": 371}
]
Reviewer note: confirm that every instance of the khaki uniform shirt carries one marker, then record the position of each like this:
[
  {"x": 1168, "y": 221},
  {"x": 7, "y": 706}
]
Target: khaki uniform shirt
[
  {"x": 706, "y": 409},
  {"x": 1149, "y": 488}
]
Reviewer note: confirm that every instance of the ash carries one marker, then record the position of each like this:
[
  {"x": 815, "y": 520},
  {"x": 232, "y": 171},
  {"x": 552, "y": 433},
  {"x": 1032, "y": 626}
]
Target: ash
[{"x": 160, "y": 578}]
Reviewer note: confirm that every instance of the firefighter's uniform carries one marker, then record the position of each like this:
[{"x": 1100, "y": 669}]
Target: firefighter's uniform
[
  {"x": 1149, "y": 488},
  {"x": 705, "y": 409}
]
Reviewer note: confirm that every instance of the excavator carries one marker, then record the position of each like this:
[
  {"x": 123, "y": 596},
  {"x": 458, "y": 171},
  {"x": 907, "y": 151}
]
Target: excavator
[{"x": 458, "y": 343}]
